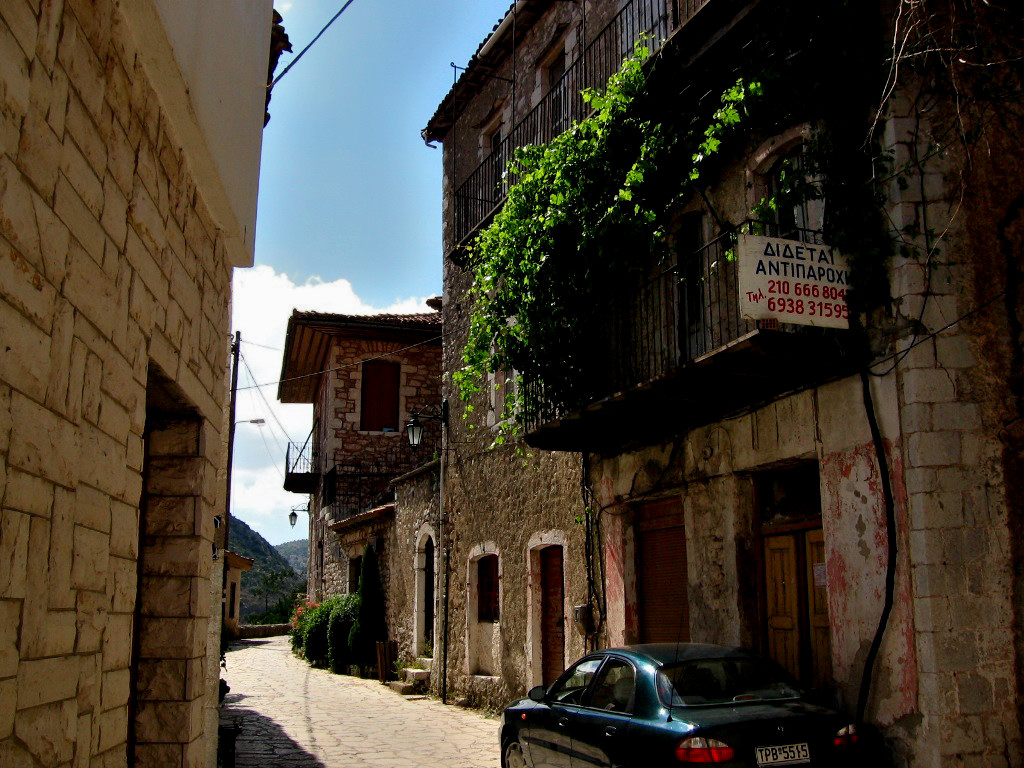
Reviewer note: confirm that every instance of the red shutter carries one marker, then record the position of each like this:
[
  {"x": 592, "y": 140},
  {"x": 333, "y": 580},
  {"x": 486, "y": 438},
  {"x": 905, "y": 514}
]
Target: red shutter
[
  {"x": 380, "y": 396},
  {"x": 662, "y": 575}
]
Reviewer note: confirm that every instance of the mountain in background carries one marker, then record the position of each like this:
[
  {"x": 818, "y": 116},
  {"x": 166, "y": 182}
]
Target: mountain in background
[
  {"x": 296, "y": 553},
  {"x": 271, "y": 579}
]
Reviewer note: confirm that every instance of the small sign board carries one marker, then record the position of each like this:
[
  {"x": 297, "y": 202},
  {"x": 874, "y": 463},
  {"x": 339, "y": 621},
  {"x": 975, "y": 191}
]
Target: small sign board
[{"x": 792, "y": 282}]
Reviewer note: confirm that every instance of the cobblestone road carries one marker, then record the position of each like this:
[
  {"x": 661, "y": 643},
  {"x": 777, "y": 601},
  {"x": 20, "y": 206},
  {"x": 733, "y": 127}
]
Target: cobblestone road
[{"x": 294, "y": 716}]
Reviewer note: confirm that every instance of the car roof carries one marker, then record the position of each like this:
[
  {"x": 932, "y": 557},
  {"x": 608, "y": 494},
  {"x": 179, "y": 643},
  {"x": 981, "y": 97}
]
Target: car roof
[{"x": 668, "y": 653}]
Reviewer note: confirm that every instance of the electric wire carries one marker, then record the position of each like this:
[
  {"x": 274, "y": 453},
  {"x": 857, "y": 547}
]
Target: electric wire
[
  {"x": 264, "y": 398},
  {"x": 310, "y": 45}
]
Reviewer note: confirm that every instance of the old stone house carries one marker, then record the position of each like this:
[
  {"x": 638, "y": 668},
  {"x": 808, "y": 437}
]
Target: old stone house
[
  {"x": 129, "y": 157},
  {"x": 822, "y": 466},
  {"x": 364, "y": 376}
]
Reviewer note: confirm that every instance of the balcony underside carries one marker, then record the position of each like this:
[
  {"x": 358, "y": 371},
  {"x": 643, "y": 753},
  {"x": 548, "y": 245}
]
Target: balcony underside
[
  {"x": 750, "y": 371},
  {"x": 301, "y": 482}
]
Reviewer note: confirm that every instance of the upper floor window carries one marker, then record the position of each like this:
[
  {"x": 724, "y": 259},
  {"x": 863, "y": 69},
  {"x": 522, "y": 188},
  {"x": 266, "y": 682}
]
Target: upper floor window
[
  {"x": 379, "y": 410},
  {"x": 785, "y": 196},
  {"x": 553, "y": 87},
  {"x": 782, "y": 181},
  {"x": 492, "y": 148}
]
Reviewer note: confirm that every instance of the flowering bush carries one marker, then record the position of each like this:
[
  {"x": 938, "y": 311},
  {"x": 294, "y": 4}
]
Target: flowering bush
[{"x": 300, "y": 618}]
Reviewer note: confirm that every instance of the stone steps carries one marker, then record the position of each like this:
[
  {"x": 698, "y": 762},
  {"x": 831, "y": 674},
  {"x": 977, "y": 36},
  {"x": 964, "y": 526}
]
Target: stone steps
[{"x": 413, "y": 680}]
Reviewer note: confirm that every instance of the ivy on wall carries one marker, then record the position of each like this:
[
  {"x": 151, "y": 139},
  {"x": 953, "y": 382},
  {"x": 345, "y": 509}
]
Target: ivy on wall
[{"x": 583, "y": 213}]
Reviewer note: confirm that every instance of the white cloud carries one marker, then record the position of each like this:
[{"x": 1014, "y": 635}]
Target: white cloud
[{"x": 263, "y": 300}]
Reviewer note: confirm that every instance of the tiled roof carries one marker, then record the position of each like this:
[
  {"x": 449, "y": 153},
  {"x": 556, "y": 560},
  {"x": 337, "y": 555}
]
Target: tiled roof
[
  {"x": 309, "y": 337},
  {"x": 399, "y": 321}
]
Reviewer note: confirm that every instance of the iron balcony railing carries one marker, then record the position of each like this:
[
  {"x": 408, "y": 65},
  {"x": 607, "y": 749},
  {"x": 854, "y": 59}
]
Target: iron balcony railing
[
  {"x": 297, "y": 460},
  {"x": 301, "y": 467},
  {"x": 355, "y": 487},
  {"x": 486, "y": 187},
  {"x": 688, "y": 309}
]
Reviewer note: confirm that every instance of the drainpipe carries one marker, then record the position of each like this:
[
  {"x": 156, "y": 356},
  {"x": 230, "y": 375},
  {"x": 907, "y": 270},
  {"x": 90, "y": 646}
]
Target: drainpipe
[
  {"x": 447, "y": 548},
  {"x": 503, "y": 27},
  {"x": 444, "y": 655},
  {"x": 890, "y": 531}
]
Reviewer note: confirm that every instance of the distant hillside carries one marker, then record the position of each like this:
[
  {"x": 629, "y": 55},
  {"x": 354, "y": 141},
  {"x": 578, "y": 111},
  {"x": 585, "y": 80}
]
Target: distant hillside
[
  {"x": 271, "y": 578},
  {"x": 296, "y": 553}
]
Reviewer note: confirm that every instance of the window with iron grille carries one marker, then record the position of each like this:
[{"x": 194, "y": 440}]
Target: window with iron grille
[
  {"x": 380, "y": 396},
  {"x": 487, "y": 588}
]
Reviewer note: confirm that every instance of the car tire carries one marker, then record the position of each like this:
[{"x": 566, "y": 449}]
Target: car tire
[{"x": 512, "y": 756}]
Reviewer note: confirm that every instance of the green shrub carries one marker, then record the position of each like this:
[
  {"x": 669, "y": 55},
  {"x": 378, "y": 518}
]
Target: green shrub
[
  {"x": 339, "y": 626},
  {"x": 314, "y": 642}
]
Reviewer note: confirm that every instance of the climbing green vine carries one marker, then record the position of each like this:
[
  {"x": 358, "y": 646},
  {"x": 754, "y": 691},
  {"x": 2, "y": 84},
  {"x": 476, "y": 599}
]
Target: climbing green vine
[{"x": 583, "y": 214}]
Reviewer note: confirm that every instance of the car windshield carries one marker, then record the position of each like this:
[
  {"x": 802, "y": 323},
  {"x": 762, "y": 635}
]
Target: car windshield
[{"x": 701, "y": 682}]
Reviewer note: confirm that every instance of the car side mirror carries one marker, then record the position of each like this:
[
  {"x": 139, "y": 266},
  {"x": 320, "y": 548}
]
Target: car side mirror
[{"x": 537, "y": 693}]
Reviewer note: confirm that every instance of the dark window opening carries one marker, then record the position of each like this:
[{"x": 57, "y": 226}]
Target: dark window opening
[
  {"x": 355, "y": 567},
  {"x": 487, "y": 588}
]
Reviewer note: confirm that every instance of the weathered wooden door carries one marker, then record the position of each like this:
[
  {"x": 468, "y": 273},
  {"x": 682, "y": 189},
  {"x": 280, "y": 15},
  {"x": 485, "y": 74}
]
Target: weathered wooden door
[
  {"x": 782, "y": 602},
  {"x": 552, "y": 614},
  {"x": 820, "y": 635},
  {"x": 796, "y": 605}
]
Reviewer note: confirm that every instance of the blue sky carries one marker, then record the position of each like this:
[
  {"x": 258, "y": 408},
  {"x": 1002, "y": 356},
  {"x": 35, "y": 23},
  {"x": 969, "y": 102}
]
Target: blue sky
[{"x": 349, "y": 214}]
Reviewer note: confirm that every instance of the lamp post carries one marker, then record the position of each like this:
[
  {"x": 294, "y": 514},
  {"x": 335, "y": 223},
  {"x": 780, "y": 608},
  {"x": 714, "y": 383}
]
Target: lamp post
[{"x": 414, "y": 431}]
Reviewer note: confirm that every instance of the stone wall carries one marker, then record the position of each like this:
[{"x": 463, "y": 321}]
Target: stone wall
[
  {"x": 114, "y": 292},
  {"x": 416, "y": 518},
  {"x": 497, "y": 500}
]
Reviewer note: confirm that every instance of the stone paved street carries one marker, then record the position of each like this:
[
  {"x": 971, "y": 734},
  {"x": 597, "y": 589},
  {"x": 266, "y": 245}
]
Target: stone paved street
[{"x": 294, "y": 716}]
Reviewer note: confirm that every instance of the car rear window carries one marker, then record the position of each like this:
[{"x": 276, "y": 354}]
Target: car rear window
[{"x": 701, "y": 682}]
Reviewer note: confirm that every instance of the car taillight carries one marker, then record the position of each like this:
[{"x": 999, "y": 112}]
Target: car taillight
[
  {"x": 698, "y": 749},
  {"x": 846, "y": 736}
]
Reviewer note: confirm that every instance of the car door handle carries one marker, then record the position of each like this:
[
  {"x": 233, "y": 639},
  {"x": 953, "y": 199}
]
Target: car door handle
[
  {"x": 610, "y": 730},
  {"x": 563, "y": 721}
]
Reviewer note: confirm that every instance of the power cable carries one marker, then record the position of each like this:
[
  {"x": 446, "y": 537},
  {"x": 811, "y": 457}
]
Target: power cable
[
  {"x": 264, "y": 399},
  {"x": 311, "y": 42}
]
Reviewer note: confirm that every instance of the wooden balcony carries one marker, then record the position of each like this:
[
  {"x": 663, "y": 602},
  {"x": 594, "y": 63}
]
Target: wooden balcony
[{"x": 674, "y": 352}]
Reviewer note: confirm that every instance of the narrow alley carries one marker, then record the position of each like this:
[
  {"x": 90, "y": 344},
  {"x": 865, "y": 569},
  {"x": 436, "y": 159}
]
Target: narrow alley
[{"x": 293, "y": 716}]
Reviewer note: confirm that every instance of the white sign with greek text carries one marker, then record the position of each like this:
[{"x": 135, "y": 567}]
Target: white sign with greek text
[{"x": 792, "y": 282}]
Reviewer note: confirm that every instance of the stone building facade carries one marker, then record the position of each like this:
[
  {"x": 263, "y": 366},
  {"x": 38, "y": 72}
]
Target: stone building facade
[
  {"x": 128, "y": 170},
  {"x": 365, "y": 376},
  {"x": 761, "y": 484}
]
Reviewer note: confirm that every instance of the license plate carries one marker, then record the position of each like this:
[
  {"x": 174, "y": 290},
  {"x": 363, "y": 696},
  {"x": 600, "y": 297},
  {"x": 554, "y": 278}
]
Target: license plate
[{"x": 783, "y": 755}]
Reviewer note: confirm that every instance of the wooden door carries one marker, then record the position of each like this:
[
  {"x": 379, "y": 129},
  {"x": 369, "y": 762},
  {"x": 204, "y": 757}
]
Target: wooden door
[
  {"x": 552, "y": 614},
  {"x": 782, "y": 602},
  {"x": 820, "y": 636},
  {"x": 796, "y": 605}
]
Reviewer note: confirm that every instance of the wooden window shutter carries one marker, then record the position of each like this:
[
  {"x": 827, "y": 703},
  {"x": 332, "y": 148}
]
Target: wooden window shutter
[
  {"x": 663, "y": 609},
  {"x": 379, "y": 396}
]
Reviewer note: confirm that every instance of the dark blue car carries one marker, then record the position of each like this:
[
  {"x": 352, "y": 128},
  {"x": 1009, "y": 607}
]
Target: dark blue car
[{"x": 647, "y": 706}]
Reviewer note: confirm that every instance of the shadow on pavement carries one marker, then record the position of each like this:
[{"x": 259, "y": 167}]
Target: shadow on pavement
[
  {"x": 250, "y": 739},
  {"x": 238, "y": 644}
]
